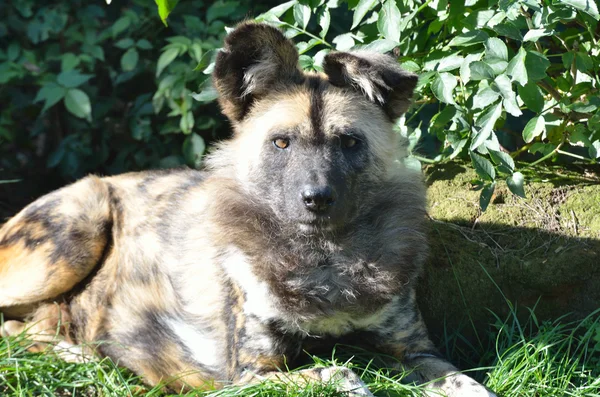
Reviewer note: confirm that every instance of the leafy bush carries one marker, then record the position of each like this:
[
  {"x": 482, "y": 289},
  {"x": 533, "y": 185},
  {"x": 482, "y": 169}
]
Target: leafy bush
[
  {"x": 499, "y": 81},
  {"x": 90, "y": 87}
]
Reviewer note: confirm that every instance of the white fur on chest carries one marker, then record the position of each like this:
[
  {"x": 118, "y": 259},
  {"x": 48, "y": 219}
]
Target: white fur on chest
[
  {"x": 260, "y": 302},
  {"x": 203, "y": 346}
]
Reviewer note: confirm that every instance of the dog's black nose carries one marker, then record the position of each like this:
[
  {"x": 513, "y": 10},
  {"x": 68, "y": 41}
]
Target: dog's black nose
[{"x": 318, "y": 198}]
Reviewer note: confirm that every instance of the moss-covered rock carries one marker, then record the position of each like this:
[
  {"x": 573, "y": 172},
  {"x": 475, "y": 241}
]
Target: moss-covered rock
[{"x": 543, "y": 251}]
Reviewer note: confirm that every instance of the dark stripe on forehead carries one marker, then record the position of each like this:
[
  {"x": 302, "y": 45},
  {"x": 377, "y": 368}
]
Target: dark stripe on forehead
[{"x": 316, "y": 86}]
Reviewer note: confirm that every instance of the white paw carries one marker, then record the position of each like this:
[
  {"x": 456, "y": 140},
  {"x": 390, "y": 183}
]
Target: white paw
[
  {"x": 460, "y": 385},
  {"x": 345, "y": 381}
]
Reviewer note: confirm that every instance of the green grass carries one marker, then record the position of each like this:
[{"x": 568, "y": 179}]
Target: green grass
[{"x": 520, "y": 358}]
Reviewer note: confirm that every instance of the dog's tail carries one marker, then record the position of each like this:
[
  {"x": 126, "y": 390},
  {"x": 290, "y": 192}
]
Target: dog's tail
[{"x": 54, "y": 243}]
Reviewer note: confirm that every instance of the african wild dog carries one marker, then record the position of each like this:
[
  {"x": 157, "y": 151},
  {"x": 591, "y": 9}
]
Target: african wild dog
[{"x": 305, "y": 227}]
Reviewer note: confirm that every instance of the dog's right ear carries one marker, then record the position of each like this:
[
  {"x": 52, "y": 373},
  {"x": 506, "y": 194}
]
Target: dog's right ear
[{"x": 255, "y": 59}]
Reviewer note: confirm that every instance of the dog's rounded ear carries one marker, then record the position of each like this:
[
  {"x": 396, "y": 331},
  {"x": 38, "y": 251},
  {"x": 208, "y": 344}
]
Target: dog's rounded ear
[
  {"x": 377, "y": 76},
  {"x": 255, "y": 59}
]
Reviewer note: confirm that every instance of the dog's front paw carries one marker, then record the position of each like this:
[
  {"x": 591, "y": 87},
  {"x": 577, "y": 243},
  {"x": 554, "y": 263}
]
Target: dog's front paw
[
  {"x": 459, "y": 385},
  {"x": 345, "y": 381}
]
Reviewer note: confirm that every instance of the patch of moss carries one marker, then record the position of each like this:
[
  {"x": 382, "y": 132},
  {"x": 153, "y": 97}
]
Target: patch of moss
[
  {"x": 543, "y": 250},
  {"x": 582, "y": 207}
]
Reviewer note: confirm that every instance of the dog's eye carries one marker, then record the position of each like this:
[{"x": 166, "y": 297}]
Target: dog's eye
[
  {"x": 348, "y": 141},
  {"x": 281, "y": 143}
]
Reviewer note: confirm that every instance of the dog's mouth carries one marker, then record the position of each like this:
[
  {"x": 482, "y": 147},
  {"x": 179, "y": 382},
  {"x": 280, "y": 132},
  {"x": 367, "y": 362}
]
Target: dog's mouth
[
  {"x": 314, "y": 228},
  {"x": 317, "y": 224}
]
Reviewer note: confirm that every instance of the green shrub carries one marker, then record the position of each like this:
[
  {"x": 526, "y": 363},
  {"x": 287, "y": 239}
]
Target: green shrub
[
  {"x": 499, "y": 81},
  {"x": 90, "y": 87}
]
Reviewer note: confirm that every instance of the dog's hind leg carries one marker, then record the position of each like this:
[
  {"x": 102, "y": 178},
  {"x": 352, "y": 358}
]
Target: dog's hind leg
[
  {"x": 48, "y": 328},
  {"x": 54, "y": 243}
]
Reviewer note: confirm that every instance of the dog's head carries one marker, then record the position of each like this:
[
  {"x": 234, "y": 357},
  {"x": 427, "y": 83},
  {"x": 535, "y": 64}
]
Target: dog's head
[{"x": 310, "y": 146}]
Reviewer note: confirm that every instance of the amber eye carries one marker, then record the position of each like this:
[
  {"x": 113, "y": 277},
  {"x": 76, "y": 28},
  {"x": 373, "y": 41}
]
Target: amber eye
[
  {"x": 348, "y": 141},
  {"x": 281, "y": 143}
]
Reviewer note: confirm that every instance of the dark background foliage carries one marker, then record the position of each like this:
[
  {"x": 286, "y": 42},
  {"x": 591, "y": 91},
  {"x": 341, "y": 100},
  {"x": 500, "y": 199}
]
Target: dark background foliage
[{"x": 87, "y": 87}]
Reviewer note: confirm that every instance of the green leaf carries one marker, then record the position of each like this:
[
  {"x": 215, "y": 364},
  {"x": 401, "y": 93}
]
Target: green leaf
[
  {"x": 543, "y": 148},
  {"x": 69, "y": 61},
  {"x": 536, "y": 65},
  {"x": 594, "y": 122},
  {"x": 381, "y": 46},
  {"x": 581, "y": 107},
  {"x": 445, "y": 64},
  {"x": 532, "y": 97},
  {"x": 486, "y": 121},
  {"x": 588, "y": 6},
  {"x": 72, "y": 78},
  {"x": 486, "y": 195},
  {"x": 443, "y": 87},
  {"x": 412, "y": 164},
  {"x": 465, "y": 70},
  {"x": 130, "y": 59},
  {"x": 510, "y": 99},
  {"x": 274, "y": 13},
  {"x": 594, "y": 149},
  {"x": 516, "y": 67},
  {"x": 495, "y": 49},
  {"x": 97, "y": 52},
  {"x": 484, "y": 97},
  {"x": 303, "y": 46},
  {"x": 324, "y": 22},
  {"x": 481, "y": 71},
  {"x": 583, "y": 62},
  {"x": 124, "y": 43},
  {"x": 186, "y": 123},
  {"x": 469, "y": 38},
  {"x": 207, "y": 59},
  {"x": 534, "y": 34},
  {"x": 306, "y": 62},
  {"x": 389, "y": 20},
  {"x": 343, "y": 42},
  {"x": 534, "y": 127},
  {"x": 515, "y": 184},
  {"x": 483, "y": 166},
  {"x": 193, "y": 149},
  {"x": 165, "y": 59},
  {"x": 195, "y": 51},
  {"x": 221, "y": 9},
  {"x": 302, "y": 14},
  {"x": 503, "y": 160},
  {"x": 120, "y": 25},
  {"x": 143, "y": 44},
  {"x": 319, "y": 58},
  {"x": 51, "y": 93},
  {"x": 498, "y": 66},
  {"x": 580, "y": 136},
  {"x": 78, "y": 103},
  {"x": 361, "y": 10},
  {"x": 508, "y": 30},
  {"x": 207, "y": 93},
  {"x": 164, "y": 8}
]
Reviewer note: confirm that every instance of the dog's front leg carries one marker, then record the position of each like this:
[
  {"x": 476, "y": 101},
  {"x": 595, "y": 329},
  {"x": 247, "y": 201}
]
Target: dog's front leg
[
  {"x": 405, "y": 337},
  {"x": 266, "y": 354}
]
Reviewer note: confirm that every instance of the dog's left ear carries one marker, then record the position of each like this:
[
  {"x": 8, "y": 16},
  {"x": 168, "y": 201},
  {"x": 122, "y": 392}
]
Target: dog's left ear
[{"x": 377, "y": 76}]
